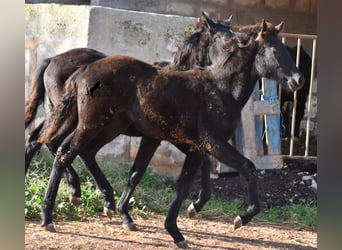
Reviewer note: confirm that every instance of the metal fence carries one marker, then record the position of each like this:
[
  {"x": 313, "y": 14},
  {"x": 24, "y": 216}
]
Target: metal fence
[{"x": 299, "y": 38}]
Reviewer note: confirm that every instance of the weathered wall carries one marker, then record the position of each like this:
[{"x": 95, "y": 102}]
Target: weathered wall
[
  {"x": 299, "y": 15},
  {"x": 50, "y": 30}
]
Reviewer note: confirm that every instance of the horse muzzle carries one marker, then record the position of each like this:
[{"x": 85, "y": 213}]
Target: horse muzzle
[{"x": 296, "y": 82}]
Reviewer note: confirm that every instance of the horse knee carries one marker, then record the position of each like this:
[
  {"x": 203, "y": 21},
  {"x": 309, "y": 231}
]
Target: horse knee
[
  {"x": 63, "y": 155},
  {"x": 252, "y": 173}
]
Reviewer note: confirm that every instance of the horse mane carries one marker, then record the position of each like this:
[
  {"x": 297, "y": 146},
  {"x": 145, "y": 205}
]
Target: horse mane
[{"x": 186, "y": 54}]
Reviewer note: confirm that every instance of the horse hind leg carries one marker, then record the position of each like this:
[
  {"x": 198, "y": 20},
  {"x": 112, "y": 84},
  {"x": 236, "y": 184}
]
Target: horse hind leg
[
  {"x": 66, "y": 153},
  {"x": 88, "y": 158},
  {"x": 205, "y": 192},
  {"x": 32, "y": 145},
  {"x": 146, "y": 150},
  {"x": 69, "y": 174}
]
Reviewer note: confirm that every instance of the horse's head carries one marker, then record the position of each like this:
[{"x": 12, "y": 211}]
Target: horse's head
[
  {"x": 273, "y": 59},
  {"x": 194, "y": 51},
  {"x": 222, "y": 38}
]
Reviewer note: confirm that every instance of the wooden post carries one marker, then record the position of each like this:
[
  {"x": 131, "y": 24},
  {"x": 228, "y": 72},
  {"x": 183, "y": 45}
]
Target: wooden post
[
  {"x": 272, "y": 122},
  {"x": 248, "y": 131},
  {"x": 258, "y": 123}
]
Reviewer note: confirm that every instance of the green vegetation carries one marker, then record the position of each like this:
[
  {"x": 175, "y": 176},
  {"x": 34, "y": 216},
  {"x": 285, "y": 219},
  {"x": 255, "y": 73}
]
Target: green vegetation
[
  {"x": 153, "y": 195},
  {"x": 302, "y": 214}
]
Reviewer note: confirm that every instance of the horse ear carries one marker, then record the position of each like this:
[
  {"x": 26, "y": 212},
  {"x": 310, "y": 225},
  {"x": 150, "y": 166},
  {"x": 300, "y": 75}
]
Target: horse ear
[
  {"x": 229, "y": 19},
  {"x": 262, "y": 32},
  {"x": 280, "y": 27},
  {"x": 263, "y": 26},
  {"x": 211, "y": 23}
]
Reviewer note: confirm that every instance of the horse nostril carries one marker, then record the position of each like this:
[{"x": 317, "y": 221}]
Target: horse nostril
[{"x": 301, "y": 81}]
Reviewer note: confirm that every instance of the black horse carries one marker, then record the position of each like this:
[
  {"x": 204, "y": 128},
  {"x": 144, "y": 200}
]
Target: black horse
[
  {"x": 198, "y": 110},
  {"x": 51, "y": 77},
  {"x": 302, "y": 94}
]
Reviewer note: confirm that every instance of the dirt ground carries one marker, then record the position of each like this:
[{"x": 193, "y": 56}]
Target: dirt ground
[
  {"x": 293, "y": 184},
  {"x": 280, "y": 187},
  {"x": 100, "y": 233}
]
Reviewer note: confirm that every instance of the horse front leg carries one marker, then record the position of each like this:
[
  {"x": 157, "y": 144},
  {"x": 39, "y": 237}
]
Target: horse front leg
[
  {"x": 227, "y": 154},
  {"x": 192, "y": 161},
  {"x": 147, "y": 148}
]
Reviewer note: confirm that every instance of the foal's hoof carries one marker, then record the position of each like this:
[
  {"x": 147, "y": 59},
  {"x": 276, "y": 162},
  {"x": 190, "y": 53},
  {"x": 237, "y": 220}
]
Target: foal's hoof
[
  {"x": 50, "y": 227},
  {"x": 130, "y": 226},
  {"x": 237, "y": 222},
  {"x": 108, "y": 212},
  {"x": 76, "y": 201},
  {"x": 182, "y": 245},
  {"x": 191, "y": 211}
]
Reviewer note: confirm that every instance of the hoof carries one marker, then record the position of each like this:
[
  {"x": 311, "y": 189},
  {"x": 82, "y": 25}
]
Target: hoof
[
  {"x": 182, "y": 245},
  {"x": 50, "y": 227},
  {"x": 237, "y": 222},
  {"x": 76, "y": 201},
  {"x": 130, "y": 226},
  {"x": 191, "y": 211},
  {"x": 108, "y": 212}
]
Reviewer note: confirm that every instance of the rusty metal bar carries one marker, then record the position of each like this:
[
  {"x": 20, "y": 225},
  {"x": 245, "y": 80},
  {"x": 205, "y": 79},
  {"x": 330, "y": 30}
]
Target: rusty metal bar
[
  {"x": 294, "y": 101},
  {"x": 302, "y": 36}
]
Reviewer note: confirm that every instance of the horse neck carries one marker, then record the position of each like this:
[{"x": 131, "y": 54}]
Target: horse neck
[{"x": 237, "y": 78}]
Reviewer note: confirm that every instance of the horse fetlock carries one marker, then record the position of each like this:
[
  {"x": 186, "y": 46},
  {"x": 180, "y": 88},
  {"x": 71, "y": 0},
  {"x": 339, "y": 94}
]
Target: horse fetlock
[
  {"x": 237, "y": 222},
  {"x": 130, "y": 226},
  {"x": 76, "y": 201},
  {"x": 108, "y": 212},
  {"x": 191, "y": 211},
  {"x": 50, "y": 227},
  {"x": 253, "y": 210},
  {"x": 182, "y": 244}
]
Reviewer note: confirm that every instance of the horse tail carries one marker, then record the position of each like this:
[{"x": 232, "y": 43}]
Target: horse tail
[
  {"x": 64, "y": 111},
  {"x": 36, "y": 93}
]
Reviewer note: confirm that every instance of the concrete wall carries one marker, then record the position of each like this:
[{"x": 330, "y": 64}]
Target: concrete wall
[{"x": 299, "y": 15}]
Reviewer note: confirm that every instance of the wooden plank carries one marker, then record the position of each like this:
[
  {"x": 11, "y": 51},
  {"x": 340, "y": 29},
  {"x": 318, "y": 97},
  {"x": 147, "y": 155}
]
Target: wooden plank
[
  {"x": 300, "y": 157},
  {"x": 262, "y": 162},
  {"x": 248, "y": 130},
  {"x": 239, "y": 138},
  {"x": 259, "y": 127},
  {"x": 269, "y": 162},
  {"x": 222, "y": 168},
  {"x": 270, "y": 107},
  {"x": 272, "y": 122}
]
